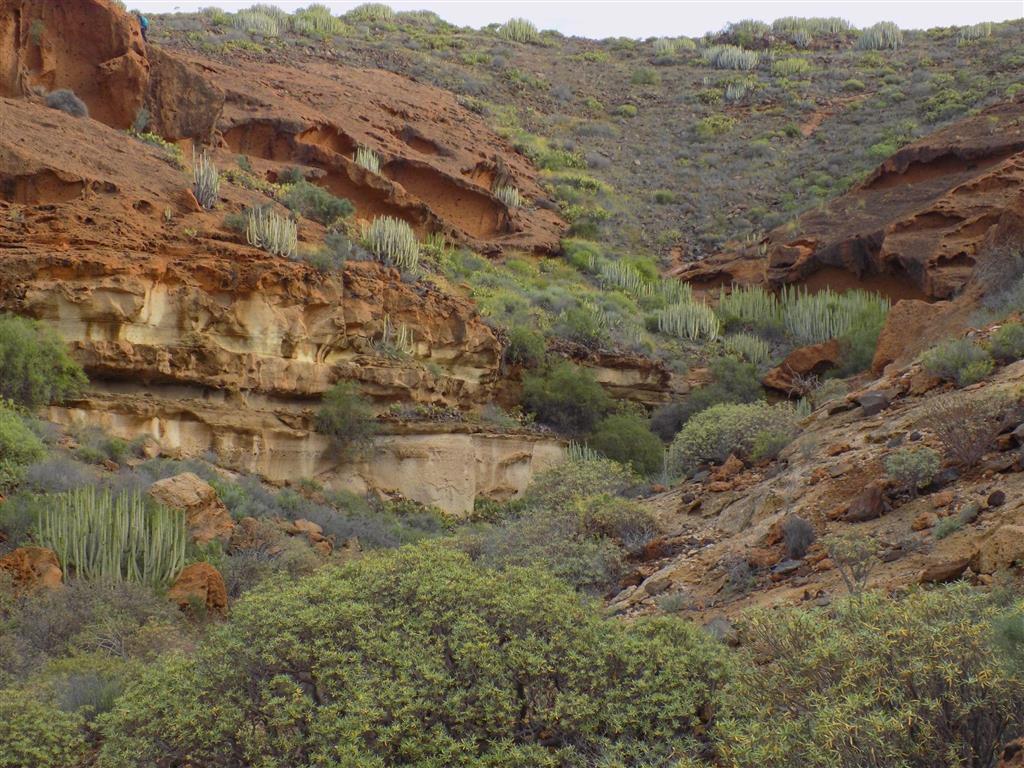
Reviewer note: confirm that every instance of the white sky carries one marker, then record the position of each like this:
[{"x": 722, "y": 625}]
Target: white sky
[{"x": 653, "y": 18}]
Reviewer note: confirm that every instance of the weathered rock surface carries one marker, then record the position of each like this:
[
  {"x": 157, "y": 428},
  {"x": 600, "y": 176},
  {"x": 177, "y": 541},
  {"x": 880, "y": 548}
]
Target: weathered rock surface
[
  {"x": 200, "y": 584},
  {"x": 205, "y": 514},
  {"x": 802, "y": 366},
  {"x": 32, "y": 568}
]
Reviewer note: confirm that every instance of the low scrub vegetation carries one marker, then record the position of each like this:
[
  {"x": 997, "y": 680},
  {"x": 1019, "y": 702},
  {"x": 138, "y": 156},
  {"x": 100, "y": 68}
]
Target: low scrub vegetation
[
  {"x": 35, "y": 367},
  {"x": 346, "y": 417},
  {"x": 393, "y": 242},
  {"x": 958, "y": 360}
]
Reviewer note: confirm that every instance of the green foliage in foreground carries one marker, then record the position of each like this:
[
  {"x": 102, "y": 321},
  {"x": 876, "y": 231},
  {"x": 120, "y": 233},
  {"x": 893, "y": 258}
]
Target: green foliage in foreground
[
  {"x": 35, "y": 368},
  {"x": 958, "y": 360},
  {"x": 421, "y": 658},
  {"x": 915, "y": 683},
  {"x": 37, "y": 734}
]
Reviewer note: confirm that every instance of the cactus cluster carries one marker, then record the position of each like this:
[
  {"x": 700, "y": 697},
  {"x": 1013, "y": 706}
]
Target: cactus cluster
[
  {"x": 519, "y": 31},
  {"x": 393, "y": 242},
  {"x": 885, "y": 35},
  {"x": 114, "y": 538},
  {"x": 509, "y": 195},
  {"x": 368, "y": 159},
  {"x": 689, "y": 320},
  {"x": 316, "y": 20},
  {"x": 205, "y": 180},
  {"x": 273, "y": 233},
  {"x": 730, "y": 57}
]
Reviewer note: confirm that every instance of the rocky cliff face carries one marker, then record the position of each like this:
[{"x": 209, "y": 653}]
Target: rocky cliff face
[{"x": 196, "y": 339}]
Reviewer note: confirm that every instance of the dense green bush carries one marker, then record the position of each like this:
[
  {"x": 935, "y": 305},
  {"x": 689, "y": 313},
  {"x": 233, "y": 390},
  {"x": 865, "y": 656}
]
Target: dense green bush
[
  {"x": 35, "y": 368},
  {"x": 626, "y": 438},
  {"x": 915, "y": 683},
  {"x": 19, "y": 447},
  {"x": 315, "y": 203},
  {"x": 913, "y": 468},
  {"x": 519, "y": 31},
  {"x": 422, "y": 658},
  {"x": 38, "y": 734},
  {"x": 525, "y": 347},
  {"x": 958, "y": 360},
  {"x": 733, "y": 381},
  {"x": 748, "y": 430},
  {"x": 565, "y": 396},
  {"x": 346, "y": 417},
  {"x": 1007, "y": 343},
  {"x": 557, "y": 486}
]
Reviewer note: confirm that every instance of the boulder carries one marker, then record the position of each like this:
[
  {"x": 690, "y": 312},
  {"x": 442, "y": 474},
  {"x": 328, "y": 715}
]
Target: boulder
[
  {"x": 792, "y": 374},
  {"x": 32, "y": 568},
  {"x": 206, "y": 515},
  {"x": 728, "y": 470},
  {"x": 200, "y": 584},
  {"x": 941, "y": 571},
  {"x": 1012, "y": 755},
  {"x": 873, "y": 403},
  {"x": 868, "y": 505},
  {"x": 1000, "y": 550},
  {"x": 907, "y": 331}
]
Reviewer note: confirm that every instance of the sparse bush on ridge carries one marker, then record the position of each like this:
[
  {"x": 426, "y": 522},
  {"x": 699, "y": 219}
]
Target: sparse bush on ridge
[
  {"x": 912, "y": 468},
  {"x": 315, "y": 202},
  {"x": 967, "y": 425},
  {"x": 373, "y": 12},
  {"x": 205, "y": 180},
  {"x": 368, "y": 159},
  {"x": 731, "y": 57}
]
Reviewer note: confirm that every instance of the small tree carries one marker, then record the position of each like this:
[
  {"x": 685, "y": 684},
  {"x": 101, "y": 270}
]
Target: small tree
[
  {"x": 35, "y": 368},
  {"x": 912, "y": 468},
  {"x": 855, "y": 557},
  {"x": 626, "y": 438},
  {"x": 346, "y": 417}
]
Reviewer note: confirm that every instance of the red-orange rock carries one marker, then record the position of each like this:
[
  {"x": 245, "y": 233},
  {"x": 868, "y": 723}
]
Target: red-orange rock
[
  {"x": 32, "y": 568},
  {"x": 728, "y": 470},
  {"x": 1002, "y": 549},
  {"x": 200, "y": 584},
  {"x": 908, "y": 329},
  {"x": 868, "y": 505},
  {"x": 206, "y": 515},
  {"x": 1012, "y": 755},
  {"x": 942, "y": 571},
  {"x": 794, "y": 374},
  {"x": 763, "y": 557},
  {"x": 924, "y": 521}
]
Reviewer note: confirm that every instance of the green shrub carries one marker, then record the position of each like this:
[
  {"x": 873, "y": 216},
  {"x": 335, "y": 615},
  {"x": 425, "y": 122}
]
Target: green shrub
[
  {"x": 1007, "y": 343},
  {"x": 35, "y": 368},
  {"x": 731, "y": 428},
  {"x": 372, "y": 12},
  {"x": 269, "y": 231},
  {"x": 565, "y": 396},
  {"x": 526, "y": 347},
  {"x": 917, "y": 680},
  {"x": 712, "y": 126},
  {"x": 645, "y": 76},
  {"x": 260, "y": 20},
  {"x": 884, "y": 35},
  {"x": 393, "y": 242},
  {"x": 519, "y": 31},
  {"x": 19, "y": 447},
  {"x": 38, "y": 734},
  {"x": 811, "y": 318},
  {"x": 913, "y": 468},
  {"x": 557, "y": 487},
  {"x": 733, "y": 381},
  {"x": 626, "y": 438},
  {"x": 747, "y": 347},
  {"x": 627, "y": 110},
  {"x": 946, "y": 526},
  {"x": 853, "y": 86},
  {"x": 346, "y": 417},
  {"x": 315, "y": 203},
  {"x": 100, "y": 536},
  {"x": 958, "y": 360},
  {"x": 350, "y": 664},
  {"x": 790, "y": 67}
]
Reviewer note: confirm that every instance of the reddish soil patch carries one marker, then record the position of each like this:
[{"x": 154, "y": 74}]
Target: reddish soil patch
[{"x": 475, "y": 213}]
